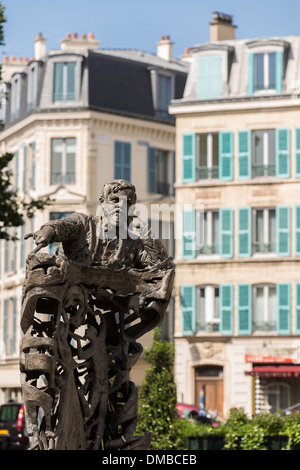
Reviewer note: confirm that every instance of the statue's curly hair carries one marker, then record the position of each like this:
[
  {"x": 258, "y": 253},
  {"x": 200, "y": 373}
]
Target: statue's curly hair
[{"x": 115, "y": 186}]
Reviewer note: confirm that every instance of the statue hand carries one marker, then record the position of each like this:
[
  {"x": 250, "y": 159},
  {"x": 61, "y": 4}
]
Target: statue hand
[{"x": 41, "y": 237}]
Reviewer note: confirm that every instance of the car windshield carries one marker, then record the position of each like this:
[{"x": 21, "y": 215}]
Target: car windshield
[{"x": 9, "y": 413}]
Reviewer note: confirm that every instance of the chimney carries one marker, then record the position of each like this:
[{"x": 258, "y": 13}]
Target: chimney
[
  {"x": 75, "y": 43},
  {"x": 39, "y": 47},
  {"x": 221, "y": 27},
  {"x": 165, "y": 48}
]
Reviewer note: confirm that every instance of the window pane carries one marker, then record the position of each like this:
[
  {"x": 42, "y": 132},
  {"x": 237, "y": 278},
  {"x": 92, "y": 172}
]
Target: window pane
[
  {"x": 272, "y": 229},
  {"x": 215, "y": 149},
  {"x": 259, "y": 225},
  {"x": 271, "y": 136},
  {"x": 215, "y": 231},
  {"x": 272, "y": 70},
  {"x": 203, "y": 150},
  {"x": 272, "y": 314},
  {"x": 58, "y": 82},
  {"x": 259, "y": 308},
  {"x": 258, "y": 137},
  {"x": 201, "y": 308},
  {"x": 258, "y": 71},
  {"x": 217, "y": 304},
  {"x": 70, "y": 92}
]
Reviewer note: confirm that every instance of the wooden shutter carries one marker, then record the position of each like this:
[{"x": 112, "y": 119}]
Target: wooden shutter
[
  {"x": 283, "y": 308},
  {"x": 226, "y": 232},
  {"x": 297, "y": 230},
  {"x": 122, "y": 160},
  {"x": 226, "y": 155},
  {"x": 297, "y": 152},
  {"x": 188, "y": 301},
  {"x": 244, "y": 309},
  {"x": 152, "y": 170},
  {"x": 189, "y": 158},
  {"x": 244, "y": 232},
  {"x": 209, "y": 77},
  {"x": 188, "y": 233},
  {"x": 278, "y": 71},
  {"x": 226, "y": 309},
  {"x": 244, "y": 151},
  {"x": 283, "y": 231},
  {"x": 250, "y": 73},
  {"x": 297, "y": 307},
  {"x": 282, "y": 153}
]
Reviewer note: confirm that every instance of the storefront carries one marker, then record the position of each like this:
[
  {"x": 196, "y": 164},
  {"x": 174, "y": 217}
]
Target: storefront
[{"x": 276, "y": 382}]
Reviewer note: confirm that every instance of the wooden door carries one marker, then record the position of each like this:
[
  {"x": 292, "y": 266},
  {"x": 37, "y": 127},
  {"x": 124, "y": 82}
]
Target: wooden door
[{"x": 212, "y": 389}]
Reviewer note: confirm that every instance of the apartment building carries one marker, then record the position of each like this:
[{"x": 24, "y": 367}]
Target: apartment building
[
  {"x": 237, "y": 322},
  {"x": 76, "y": 118}
]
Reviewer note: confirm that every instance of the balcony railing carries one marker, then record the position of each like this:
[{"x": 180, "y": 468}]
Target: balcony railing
[
  {"x": 209, "y": 327},
  {"x": 209, "y": 249},
  {"x": 260, "y": 170},
  {"x": 63, "y": 178},
  {"x": 207, "y": 173},
  {"x": 264, "y": 326},
  {"x": 259, "y": 247}
]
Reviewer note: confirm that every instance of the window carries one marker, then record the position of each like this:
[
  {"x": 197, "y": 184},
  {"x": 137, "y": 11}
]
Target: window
[
  {"x": 164, "y": 91},
  {"x": 265, "y": 71},
  {"x": 277, "y": 396},
  {"x": 158, "y": 179},
  {"x": 122, "y": 160},
  {"x": 209, "y": 76},
  {"x": 207, "y": 147},
  {"x": 10, "y": 326},
  {"x": 32, "y": 87},
  {"x": 264, "y": 308},
  {"x": 263, "y": 158},
  {"x": 64, "y": 83},
  {"x": 210, "y": 232},
  {"x": 207, "y": 308},
  {"x": 264, "y": 230},
  {"x": 63, "y": 161},
  {"x": 15, "y": 98},
  {"x": 57, "y": 216}
]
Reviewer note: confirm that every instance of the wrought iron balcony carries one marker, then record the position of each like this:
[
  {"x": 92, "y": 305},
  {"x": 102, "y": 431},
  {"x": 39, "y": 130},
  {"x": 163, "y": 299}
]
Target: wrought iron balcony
[
  {"x": 260, "y": 170},
  {"x": 207, "y": 173},
  {"x": 63, "y": 178},
  {"x": 259, "y": 247},
  {"x": 209, "y": 249}
]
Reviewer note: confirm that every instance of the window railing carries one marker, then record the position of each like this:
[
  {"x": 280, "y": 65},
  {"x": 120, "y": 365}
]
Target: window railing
[
  {"x": 259, "y": 170},
  {"x": 162, "y": 188},
  {"x": 70, "y": 96},
  {"x": 207, "y": 173},
  {"x": 209, "y": 249},
  {"x": 264, "y": 326},
  {"x": 63, "y": 178},
  {"x": 259, "y": 247},
  {"x": 209, "y": 327}
]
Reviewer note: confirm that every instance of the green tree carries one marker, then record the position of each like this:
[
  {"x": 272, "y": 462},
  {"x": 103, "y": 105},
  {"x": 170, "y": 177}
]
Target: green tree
[
  {"x": 157, "y": 397},
  {"x": 13, "y": 209}
]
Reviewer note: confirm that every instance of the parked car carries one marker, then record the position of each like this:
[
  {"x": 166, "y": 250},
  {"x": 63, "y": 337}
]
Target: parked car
[
  {"x": 12, "y": 426},
  {"x": 193, "y": 412}
]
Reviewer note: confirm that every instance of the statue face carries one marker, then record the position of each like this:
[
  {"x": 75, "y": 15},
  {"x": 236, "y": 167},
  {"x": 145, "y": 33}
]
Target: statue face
[{"x": 117, "y": 206}]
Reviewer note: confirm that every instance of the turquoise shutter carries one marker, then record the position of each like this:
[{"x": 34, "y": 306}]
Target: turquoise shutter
[
  {"x": 283, "y": 308},
  {"x": 226, "y": 155},
  {"x": 297, "y": 230},
  {"x": 279, "y": 67},
  {"x": 297, "y": 152},
  {"x": 14, "y": 327},
  {"x": 25, "y": 169},
  {"x": 189, "y": 158},
  {"x": 226, "y": 233},
  {"x": 244, "y": 150},
  {"x": 152, "y": 170},
  {"x": 16, "y": 170},
  {"x": 188, "y": 233},
  {"x": 283, "y": 234},
  {"x": 297, "y": 305},
  {"x": 244, "y": 309},
  {"x": 209, "y": 77},
  {"x": 250, "y": 73},
  {"x": 188, "y": 302},
  {"x": 32, "y": 179},
  {"x": 122, "y": 160},
  {"x": 226, "y": 309},
  {"x": 244, "y": 232},
  {"x": 282, "y": 153}
]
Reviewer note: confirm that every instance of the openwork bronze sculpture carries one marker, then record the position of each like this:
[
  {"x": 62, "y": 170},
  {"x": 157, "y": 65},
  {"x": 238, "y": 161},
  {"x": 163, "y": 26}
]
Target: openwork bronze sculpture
[{"x": 83, "y": 309}]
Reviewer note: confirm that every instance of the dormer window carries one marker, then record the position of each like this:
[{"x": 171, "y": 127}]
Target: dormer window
[
  {"x": 266, "y": 66},
  {"x": 64, "y": 84},
  {"x": 163, "y": 91},
  {"x": 15, "y": 97},
  {"x": 32, "y": 87},
  {"x": 265, "y": 71}
]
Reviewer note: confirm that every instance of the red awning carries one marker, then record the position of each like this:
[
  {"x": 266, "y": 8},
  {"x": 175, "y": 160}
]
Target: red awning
[{"x": 275, "y": 371}]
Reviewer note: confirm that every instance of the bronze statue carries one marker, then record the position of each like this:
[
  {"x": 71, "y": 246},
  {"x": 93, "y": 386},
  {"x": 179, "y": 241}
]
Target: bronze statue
[{"x": 83, "y": 309}]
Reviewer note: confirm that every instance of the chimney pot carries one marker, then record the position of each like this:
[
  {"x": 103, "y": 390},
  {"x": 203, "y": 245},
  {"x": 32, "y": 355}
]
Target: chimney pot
[
  {"x": 5, "y": 59},
  {"x": 74, "y": 35},
  {"x": 83, "y": 36},
  {"x": 68, "y": 36},
  {"x": 91, "y": 36},
  {"x": 13, "y": 59}
]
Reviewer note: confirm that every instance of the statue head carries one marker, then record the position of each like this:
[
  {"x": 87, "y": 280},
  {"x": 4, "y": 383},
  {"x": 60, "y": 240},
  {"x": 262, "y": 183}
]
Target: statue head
[{"x": 118, "y": 188}]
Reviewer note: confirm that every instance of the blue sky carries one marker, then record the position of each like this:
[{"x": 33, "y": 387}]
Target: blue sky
[{"x": 140, "y": 23}]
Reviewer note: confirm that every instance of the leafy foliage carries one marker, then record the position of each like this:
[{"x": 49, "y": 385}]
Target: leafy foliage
[
  {"x": 157, "y": 398},
  {"x": 13, "y": 209}
]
